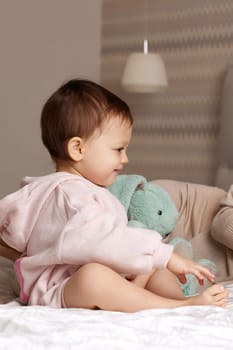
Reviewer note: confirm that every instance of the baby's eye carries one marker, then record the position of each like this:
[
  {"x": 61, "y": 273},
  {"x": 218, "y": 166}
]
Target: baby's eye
[{"x": 120, "y": 149}]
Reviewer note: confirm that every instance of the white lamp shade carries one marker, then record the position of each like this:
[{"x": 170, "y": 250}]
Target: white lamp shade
[{"x": 144, "y": 72}]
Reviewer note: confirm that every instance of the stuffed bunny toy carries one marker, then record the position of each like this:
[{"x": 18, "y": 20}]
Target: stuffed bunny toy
[{"x": 148, "y": 205}]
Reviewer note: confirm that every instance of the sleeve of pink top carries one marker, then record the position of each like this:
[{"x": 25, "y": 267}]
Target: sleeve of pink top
[{"x": 96, "y": 236}]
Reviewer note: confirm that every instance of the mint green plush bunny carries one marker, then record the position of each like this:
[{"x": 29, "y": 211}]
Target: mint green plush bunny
[{"x": 150, "y": 206}]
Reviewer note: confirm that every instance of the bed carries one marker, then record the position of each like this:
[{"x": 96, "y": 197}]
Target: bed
[{"x": 26, "y": 327}]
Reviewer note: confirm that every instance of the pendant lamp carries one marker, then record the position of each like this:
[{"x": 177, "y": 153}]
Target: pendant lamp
[{"x": 144, "y": 72}]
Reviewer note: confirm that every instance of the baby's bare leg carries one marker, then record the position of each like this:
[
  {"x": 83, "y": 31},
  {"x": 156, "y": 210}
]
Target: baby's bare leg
[
  {"x": 165, "y": 284},
  {"x": 97, "y": 286}
]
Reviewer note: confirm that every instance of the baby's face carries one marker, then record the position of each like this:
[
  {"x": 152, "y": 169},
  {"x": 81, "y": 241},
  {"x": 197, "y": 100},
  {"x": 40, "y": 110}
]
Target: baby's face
[{"x": 104, "y": 153}]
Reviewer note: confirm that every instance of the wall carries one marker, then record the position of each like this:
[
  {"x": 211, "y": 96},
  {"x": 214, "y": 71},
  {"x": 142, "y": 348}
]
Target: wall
[
  {"x": 43, "y": 43},
  {"x": 176, "y": 132}
]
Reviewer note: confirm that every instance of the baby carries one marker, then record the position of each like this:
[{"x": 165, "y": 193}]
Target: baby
[{"x": 76, "y": 247}]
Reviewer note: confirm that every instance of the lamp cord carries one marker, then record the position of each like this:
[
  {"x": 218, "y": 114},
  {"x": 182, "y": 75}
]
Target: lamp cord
[{"x": 145, "y": 41}]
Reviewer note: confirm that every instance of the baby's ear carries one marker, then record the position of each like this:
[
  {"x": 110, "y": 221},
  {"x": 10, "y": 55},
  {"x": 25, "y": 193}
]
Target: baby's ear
[{"x": 74, "y": 148}]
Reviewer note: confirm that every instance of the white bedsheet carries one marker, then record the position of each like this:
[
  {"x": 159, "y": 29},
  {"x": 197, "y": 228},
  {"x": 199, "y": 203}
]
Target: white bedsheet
[
  {"x": 184, "y": 328},
  {"x": 188, "y": 328}
]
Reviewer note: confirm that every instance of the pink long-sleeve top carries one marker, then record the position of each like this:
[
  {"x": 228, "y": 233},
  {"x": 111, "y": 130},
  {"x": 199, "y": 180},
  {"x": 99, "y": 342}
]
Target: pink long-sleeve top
[{"x": 62, "y": 221}]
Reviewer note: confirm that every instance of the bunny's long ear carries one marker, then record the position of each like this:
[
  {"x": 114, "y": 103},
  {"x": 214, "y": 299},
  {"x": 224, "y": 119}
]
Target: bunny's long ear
[{"x": 125, "y": 186}]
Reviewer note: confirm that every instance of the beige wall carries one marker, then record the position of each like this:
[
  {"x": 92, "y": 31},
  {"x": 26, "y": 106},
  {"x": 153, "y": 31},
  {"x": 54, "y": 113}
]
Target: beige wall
[
  {"x": 42, "y": 44},
  {"x": 176, "y": 131}
]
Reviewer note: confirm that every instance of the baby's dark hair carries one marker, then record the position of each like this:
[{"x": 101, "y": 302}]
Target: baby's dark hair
[{"x": 78, "y": 108}]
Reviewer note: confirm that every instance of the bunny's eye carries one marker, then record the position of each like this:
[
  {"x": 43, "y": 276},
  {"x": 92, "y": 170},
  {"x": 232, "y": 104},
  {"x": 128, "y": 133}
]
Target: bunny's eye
[{"x": 160, "y": 212}]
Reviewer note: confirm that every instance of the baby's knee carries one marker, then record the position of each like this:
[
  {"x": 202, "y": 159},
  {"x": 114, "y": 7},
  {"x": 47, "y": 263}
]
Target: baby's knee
[
  {"x": 93, "y": 277},
  {"x": 84, "y": 286},
  {"x": 90, "y": 273}
]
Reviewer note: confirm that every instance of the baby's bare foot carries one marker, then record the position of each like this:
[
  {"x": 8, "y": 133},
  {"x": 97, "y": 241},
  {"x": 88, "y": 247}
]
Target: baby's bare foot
[{"x": 214, "y": 295}]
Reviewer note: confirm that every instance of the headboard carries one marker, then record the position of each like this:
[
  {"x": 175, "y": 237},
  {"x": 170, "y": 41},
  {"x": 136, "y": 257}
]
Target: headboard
[{"x": 224, "y": 174}]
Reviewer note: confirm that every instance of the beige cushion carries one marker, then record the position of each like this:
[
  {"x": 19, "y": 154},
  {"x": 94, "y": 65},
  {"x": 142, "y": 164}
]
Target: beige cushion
[
  {"x": 224, "y": 174},
  {"x": 224, "y": 177}
]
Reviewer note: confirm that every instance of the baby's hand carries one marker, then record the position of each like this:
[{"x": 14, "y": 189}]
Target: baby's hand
[{"x": 181, "y": 266}]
